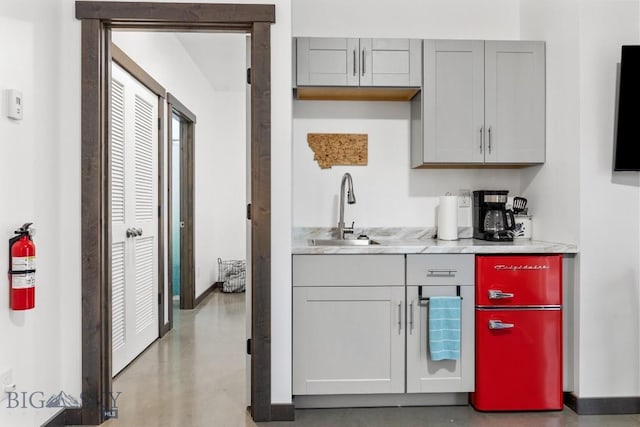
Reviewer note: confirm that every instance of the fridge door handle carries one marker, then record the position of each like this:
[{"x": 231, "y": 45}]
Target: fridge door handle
[
  {"x": 497, "y": 324},
  {"x": 498, "y": 294}
]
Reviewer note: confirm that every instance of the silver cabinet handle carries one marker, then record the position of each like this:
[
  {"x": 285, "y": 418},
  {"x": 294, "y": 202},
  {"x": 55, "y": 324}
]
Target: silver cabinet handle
[
  {"x": 441, "y": 273},
  {"x": 181, "y": 224},
  {"x": 399, "y": 317},
  {"x": 363, "y": 61},
  {"x": 489, "y": 139},
  {"x": 354, "y": 62},
  {"x": 497, "y": 324},
  {"x": 481, "y": 138},
  {"x": 498, "y": 294},
  {"x": 411, "y": 317}
]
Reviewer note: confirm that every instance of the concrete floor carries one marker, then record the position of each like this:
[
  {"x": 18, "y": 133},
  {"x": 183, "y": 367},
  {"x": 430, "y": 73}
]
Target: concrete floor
[{"x": 194, "y": 376}]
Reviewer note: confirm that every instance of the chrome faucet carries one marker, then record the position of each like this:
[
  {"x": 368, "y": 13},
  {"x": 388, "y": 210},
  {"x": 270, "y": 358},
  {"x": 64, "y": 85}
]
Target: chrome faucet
[{"x": 351, "y": 199}]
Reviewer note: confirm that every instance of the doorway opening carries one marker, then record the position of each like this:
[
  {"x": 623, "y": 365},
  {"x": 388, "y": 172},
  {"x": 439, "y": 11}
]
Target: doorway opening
[
  {"x": 174, "y": 195},
  {"x": 181, "y": 122},
  {"x": 98, "y": 19}
]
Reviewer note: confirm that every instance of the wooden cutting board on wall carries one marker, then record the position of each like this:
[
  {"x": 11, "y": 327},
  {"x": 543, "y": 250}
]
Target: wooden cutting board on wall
[{"x": 331, "y": 149}]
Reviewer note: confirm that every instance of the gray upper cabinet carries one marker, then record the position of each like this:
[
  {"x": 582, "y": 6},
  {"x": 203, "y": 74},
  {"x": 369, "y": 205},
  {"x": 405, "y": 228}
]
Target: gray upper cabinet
[
  {"x": 514, "y": 101},
  {"x": 358, "y": 62},
  {"x": 328, "y": 61},
  {"x": 481, "y": 103}
]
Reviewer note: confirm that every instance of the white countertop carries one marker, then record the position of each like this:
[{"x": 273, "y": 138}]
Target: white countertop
[{"x": 418, "y": 241}]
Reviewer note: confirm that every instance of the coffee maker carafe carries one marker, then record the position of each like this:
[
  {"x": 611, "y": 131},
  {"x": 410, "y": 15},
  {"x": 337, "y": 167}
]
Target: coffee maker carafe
[{"x": 491, "y": 219}]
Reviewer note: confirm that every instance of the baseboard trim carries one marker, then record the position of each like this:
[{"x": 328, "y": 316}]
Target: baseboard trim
[
  {"x": 164, "y": 329},
  {"x": 602, "y": 405},
  {"x": 379, "y": 400},
  {"x": 73, "y": 416},
  {"x": 57, "y": 420},
  {"x": 207, "y": 291},
  {"x": 283, "y": 412}
]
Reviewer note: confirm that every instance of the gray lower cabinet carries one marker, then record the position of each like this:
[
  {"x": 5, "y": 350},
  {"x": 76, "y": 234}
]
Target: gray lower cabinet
[
  {"x": 482, "y": 102},
  {"x": 355, "y": 331},
  {"x": 348, "y": 324},
  {"x": 439, "y": 275}
]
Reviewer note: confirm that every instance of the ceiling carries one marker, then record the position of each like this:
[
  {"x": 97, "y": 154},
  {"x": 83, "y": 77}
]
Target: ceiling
[{"x": 220, "y": 57}]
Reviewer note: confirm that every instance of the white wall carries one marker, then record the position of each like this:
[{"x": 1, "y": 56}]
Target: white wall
[
  {"x": 456, "y": 19},
  {"x": 590, "y": 205},
  {"x": 609, "y": 212},
  {"x": 219, "y": 139},
  {"x": 30, "y": 164},
  {"x": 553, "y": 202},
  {"x": 389, "y": 192},
  {"x": 281, "y": 203}
]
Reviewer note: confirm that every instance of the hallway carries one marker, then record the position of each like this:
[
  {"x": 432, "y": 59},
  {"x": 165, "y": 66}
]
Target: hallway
[{"x": 194, "y": 377}]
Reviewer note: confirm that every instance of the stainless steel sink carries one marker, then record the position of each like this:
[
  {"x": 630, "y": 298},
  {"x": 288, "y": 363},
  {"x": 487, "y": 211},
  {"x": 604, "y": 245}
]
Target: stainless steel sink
[{"x": 345, "y": 242}]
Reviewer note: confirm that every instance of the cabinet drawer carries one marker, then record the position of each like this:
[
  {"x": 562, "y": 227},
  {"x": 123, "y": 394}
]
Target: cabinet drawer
[
  {"x": 348, "y": 270},
  {"x": 439, "y": 270}
]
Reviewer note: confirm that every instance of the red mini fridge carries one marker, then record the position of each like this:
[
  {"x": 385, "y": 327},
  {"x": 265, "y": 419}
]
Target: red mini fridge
[{"x": 518, "y": 333}]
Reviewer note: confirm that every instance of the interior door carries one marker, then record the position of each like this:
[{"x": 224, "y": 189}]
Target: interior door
[{"x": 134, "y": 211}]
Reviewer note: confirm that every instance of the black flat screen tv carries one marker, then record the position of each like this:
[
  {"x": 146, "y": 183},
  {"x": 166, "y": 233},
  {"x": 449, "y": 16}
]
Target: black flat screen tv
[{"x": 627, "y": 144}]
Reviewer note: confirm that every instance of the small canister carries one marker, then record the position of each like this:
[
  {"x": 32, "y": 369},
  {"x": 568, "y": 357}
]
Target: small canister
[{"x": 522, "y": 227}]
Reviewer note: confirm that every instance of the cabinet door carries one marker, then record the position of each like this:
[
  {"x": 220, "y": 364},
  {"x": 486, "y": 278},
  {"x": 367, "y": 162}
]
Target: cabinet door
[
  {"x": 443, "y": 376},
  {"x": 327, "y": 61},
  {"x": 515, "y": 101},
  {"x": 453, "y": 101},
  {"x": 390, "y": 62},
  {"x": 348, "y": 340}
]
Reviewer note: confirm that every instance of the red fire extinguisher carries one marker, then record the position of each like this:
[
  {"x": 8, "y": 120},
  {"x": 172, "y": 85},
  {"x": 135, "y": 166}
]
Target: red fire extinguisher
[{"x": 22, "y": 269}]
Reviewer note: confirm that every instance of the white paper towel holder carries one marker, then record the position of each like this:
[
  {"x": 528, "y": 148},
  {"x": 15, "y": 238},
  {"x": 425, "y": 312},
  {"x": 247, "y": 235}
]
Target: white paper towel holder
[{"x": 448, "y": 222}]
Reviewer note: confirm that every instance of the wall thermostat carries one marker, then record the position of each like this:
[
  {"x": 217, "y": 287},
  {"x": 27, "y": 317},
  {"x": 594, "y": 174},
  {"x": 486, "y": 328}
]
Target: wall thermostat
[{"x": 14, "y": 110}]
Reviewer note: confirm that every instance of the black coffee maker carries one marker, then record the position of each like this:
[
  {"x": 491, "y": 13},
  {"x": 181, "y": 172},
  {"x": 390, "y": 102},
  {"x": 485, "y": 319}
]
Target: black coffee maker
[{"x": 491, "y": 219}]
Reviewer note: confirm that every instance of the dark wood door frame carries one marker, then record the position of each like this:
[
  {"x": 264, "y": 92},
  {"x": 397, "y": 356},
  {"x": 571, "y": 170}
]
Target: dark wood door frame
[
  {"x": 97, "y": 18},
  {"x": 186, "y": 161}
]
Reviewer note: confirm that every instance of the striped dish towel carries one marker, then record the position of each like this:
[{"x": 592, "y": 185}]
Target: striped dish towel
[{"x": 444, "y": 328}]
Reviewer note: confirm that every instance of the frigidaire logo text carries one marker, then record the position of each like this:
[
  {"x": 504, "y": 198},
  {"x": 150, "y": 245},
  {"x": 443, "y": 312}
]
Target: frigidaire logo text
[{"x": 521, "y": 267}]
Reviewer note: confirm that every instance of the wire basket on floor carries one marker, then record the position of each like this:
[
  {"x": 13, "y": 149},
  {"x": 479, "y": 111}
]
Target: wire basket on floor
[{"x": 232, "y": 274}]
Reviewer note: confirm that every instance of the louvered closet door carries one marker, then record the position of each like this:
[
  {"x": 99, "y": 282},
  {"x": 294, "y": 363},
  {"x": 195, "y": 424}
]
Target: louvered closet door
[{"x": 134, "y": 137}]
